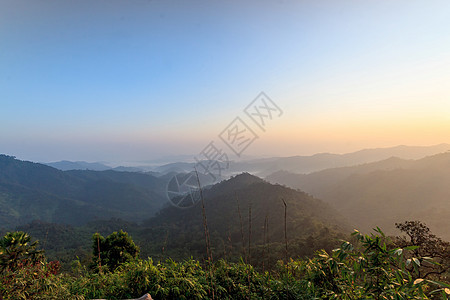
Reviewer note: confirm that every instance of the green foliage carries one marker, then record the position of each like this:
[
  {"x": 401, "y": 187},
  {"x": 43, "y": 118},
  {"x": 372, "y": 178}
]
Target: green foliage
[
  {"x": 37, "y": 280},
  {"x": 168, "y": 280},
  {"x": 240, "y": 281},
  {"x": 25, "y": 273},
  {"x": 114, "y": 250},
  {"x": 373, "y": 272},
  {"x": 17, "y": 248},
  {"x": 367, "y": 268}
]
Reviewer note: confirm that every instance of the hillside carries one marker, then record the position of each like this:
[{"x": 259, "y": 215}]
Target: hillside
[
  {"x": 382, "y": 193},
  {"x": 180, "y": 231},
  {"x": 30, "y": 191}
]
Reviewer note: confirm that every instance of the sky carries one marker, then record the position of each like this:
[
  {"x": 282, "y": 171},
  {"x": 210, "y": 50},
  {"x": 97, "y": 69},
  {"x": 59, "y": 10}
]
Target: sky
[{"x": 136, "y": 80}]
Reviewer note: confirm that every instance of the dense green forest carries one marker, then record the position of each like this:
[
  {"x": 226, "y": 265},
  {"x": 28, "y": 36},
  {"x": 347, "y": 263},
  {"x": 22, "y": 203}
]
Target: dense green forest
[
  {"x": 415, "y": 266},
  {"x": 245, "y": 215}
]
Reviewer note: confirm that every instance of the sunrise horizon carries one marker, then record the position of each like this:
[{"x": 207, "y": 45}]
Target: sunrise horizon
[{"x": 154, "y": 79}]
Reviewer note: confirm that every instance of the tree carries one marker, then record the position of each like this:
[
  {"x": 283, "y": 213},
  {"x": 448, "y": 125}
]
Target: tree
[
  {"x": 114, "y": 250},
  {"x": 432, "y": 252}
]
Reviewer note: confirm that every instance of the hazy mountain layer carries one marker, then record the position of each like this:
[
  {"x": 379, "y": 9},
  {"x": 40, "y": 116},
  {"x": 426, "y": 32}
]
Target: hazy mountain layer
[
  {"x": 314, "y": 163},
  {"x": 382, "y": 193},
  {"x": 321, "y": 161}
]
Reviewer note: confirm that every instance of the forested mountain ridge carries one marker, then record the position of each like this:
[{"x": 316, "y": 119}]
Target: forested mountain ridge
[
  {"x": 248, "y": 200},
  {"x": 31, "y": 191}
]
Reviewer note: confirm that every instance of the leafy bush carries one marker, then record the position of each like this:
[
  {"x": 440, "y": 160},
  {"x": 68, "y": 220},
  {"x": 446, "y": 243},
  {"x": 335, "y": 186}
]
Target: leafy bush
[
  {"x": 37, "y": 280},
  {"x": 372, "y": 272},
  {"x": 366, "y": 269}
]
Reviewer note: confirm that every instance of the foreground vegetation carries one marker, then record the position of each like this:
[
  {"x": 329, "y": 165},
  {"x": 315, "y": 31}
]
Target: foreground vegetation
[{"x": 369, "y": 267}]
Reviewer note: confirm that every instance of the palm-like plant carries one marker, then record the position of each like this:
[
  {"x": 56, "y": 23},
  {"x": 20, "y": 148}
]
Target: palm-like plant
[{"x": 16, "y": 248}]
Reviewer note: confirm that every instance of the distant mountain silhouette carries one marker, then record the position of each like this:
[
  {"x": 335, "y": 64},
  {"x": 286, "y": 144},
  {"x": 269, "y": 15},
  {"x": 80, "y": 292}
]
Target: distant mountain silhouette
[
  {"x": 66, "y": 165},
  {"x": 385, "y": 192},
  {"x": 127, "y": 169},
  {"x": 313, "y": 163},
  {"x": 176, "y": 167}
]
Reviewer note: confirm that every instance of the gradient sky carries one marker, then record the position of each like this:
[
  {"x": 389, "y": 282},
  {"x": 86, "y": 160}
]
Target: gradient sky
[{"x": 136, "y": 80}]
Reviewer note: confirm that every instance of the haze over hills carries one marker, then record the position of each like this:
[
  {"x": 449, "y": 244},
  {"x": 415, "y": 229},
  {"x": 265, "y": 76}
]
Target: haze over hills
[
  {"x": 307, "y": 164},
  {"x": 385, "y": 192},
  {"x": 266, "y": 166},
  {"x": 321, "y": 161},
  {"x": 371, "y": 194},
  {"x": 66, "y": 165}
]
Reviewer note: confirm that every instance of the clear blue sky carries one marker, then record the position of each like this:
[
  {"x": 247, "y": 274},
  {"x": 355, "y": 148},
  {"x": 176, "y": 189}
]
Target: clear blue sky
[{"x": 134, "y": 80}]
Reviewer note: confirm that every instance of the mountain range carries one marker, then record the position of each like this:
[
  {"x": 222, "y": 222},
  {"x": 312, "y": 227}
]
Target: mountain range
[
  {"x": 322, "y": 161},
  {"x": 370, "y": 194},
  {"x": 266, "y": 166},
  {"x": 244, "y": 212},
  {"x": 384, "y": 192}
]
